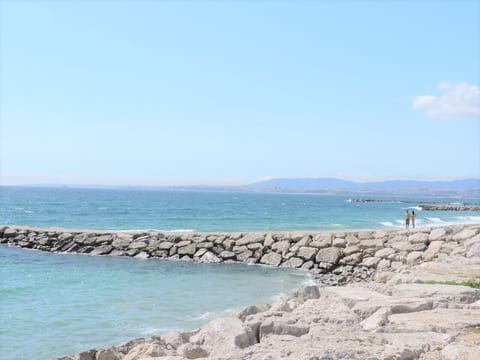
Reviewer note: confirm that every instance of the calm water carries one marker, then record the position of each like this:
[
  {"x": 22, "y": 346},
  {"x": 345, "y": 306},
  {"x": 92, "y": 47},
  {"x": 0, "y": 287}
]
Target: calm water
[
  {"x": 51, "y": 304},
  {"x": 202, "y": 211}
]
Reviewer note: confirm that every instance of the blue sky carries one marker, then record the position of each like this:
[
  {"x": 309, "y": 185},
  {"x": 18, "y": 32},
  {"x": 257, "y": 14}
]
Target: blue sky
[{"x": 155, "y": 93}]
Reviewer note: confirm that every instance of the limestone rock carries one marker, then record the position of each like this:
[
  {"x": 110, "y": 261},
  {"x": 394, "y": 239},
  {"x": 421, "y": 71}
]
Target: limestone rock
[
  {"x": 329, "y": 255},
  {"x": 209, "y": 257},
  {"x": 384, "y": 253},
  {"x": 293, "y": 262},
  {"x": 281, "y": 246},
  {"x": 271, "y": 259},
  {"x": 437, "y": 234},
  {"x": 250, "y": 239},
  {"x": 189, "y": 249},
  {"x": 222, "y": 335},
  {"x": 307, "y": 253}
]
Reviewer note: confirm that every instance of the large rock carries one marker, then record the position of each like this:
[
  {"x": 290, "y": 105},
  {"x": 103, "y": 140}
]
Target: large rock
[
  {"x": 250, "y": 239},
  {"x": 281, "y": 246},
  {"x": 210, "y": 257},
  {"x": 278, "y": 327},
  {"x": 189, "y": 249},
  {"x": 293, "y": 262},
  {"x": 223, "y": 335},
  {"x": 272, "y": 258},
  {"x": 384, "y": 253},
  {"x": 307, "y": 253},
  {"x": 329, "y": 255},
  {"x": 437, "y": 234},
  {"x": 465, "y": 234}
]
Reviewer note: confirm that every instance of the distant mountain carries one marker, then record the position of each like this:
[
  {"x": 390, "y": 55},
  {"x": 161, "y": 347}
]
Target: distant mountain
[{"x": 312, "y": 184}]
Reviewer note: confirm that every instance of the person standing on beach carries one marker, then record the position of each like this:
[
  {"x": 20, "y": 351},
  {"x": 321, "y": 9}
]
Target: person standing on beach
[
  {"x": 413, "y": 219},
  {"x": 407, "y": 219}
]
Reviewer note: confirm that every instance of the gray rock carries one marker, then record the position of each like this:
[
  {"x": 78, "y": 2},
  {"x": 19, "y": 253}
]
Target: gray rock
[
  {"x": 269, "y": 241},
  {"x": 437, "y": 234},
  {"x": 307, "y": 253},
  {"x": 293, "y": 262},
  {"x": 165, "y": 245},
  {"x": 339, "y": 242},
  {"x": 384, "y": 253},
  {"x": 465, "y": 234},
  {"x": 281, "y": 246},
  {"x": 102, "y": 250},
  {"x": 10, "y": 233},
  {"x": 189, "y": 249},
  {"x": 352, "y": 249},
  {"x": 419, "y": 238},
  {"x": 227, "y": 255},
  {"x": 250, "y": 239},
  {"x": 244, "y": 255},
  {"x": 278, "y": 327},
  {"x": 271, "y": 259},
  {"x": 370, "y": 262},
  {"x": 200, "y": 252},
  {"x": 376, "y": 244},
  {"x": 183, "y": 243},
  {"x": 329, "y": 255}
]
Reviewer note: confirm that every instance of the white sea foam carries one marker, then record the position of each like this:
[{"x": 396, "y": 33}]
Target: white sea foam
[
  {"x": 387, "y": 223},
  {"x": 205, "y": 316},
  {"x": 435, "y": 220}
]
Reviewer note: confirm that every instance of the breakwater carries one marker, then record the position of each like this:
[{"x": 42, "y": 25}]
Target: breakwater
[{"x": 336, "y": 257}]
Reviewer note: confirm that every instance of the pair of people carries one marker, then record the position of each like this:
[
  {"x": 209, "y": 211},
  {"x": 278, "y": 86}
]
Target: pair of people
[{"x": 409, "y": 218}]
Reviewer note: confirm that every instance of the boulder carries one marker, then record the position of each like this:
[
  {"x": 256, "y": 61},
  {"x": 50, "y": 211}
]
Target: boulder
[
  {"x": 419, "y": 238},
  {"x": 145, "y": 350},
  {"x": 272, "y": 258},
  {"x": 223, "y": 335},
  {"x": 329, "y": 255},
  {"x": 281, "y": 246},
  {"x": 227, "y": 255},
  {"x": 250, "y": 239},
  {"x": 210, "y": 257},
  {"x": 437, "y": 234},
  {"x": 189, "y": 249},
  {"x": 465, "y": 234},
  {"x": 307, "y": 253},
  {"x": 384, "y": 253},
  {"x": 279, "y": 327},
  {"x": 293, "y": 262}
]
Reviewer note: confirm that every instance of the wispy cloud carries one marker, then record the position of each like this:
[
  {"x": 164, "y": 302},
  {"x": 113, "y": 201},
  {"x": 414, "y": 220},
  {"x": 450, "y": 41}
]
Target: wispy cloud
[{"x": 456, "y": 101}]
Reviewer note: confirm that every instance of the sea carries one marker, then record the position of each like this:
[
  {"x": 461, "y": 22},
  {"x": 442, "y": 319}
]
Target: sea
[{"x": 58, "y": 304}]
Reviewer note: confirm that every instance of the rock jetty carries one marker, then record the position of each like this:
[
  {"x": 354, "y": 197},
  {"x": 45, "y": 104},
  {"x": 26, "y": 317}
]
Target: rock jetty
[
  {"x": 386, "y": 308},
  {"x": 336, "y": 257},
  {"x": 449, "y": 207},
  {"x": 426, "y": 206}
]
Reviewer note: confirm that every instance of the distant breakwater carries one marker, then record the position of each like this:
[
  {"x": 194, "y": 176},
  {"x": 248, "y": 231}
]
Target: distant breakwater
[
  {"x": 336, "y": 257},
  {"x": 426, "y": 206}
]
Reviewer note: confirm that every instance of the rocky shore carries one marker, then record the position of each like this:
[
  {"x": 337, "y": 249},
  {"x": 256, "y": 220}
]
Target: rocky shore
[{"x": 384, "y": 310}]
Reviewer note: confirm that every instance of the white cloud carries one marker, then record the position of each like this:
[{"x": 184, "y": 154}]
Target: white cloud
[{"x": 456, "y": 101}]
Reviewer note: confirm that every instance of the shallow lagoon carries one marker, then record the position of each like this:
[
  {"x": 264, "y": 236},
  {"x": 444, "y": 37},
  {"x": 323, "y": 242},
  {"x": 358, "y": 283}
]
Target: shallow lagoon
[{"x": 56, "y": 304}]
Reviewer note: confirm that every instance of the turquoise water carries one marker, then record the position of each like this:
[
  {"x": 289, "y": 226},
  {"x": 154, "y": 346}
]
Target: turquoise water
[
  {"x": 205, "y": 211},
  {"x": 52, "y": 305}
]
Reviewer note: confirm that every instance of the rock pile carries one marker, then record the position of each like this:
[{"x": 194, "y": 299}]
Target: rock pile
[{"x": 337, "y": 257}]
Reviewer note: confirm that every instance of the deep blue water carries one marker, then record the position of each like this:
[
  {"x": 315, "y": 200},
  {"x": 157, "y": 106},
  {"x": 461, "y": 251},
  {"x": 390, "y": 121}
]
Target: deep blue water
[{"x": 205, "y": 211}]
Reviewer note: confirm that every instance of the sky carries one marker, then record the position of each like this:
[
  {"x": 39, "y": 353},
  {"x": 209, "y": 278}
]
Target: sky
[{"x": 230, "y": 92}]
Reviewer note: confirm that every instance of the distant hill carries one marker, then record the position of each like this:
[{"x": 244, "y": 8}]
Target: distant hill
[{"x": 311, "y": 184}]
